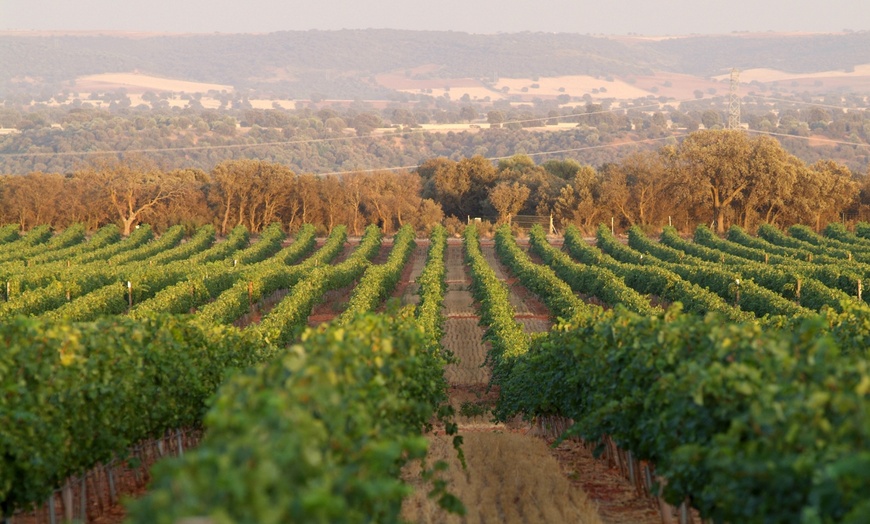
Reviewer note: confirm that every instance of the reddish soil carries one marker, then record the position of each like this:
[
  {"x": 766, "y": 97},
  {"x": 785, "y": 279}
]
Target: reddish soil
[
  {"x": 615, "y": 497},
  {"x": 407, "y": 289},
  {"x": 130, "y": 482},
  {"x": 335, "y": 301}
]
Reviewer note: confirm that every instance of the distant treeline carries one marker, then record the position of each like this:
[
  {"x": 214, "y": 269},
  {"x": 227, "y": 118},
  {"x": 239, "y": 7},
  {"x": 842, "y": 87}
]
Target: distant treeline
[
  {"x": 714, "y": 177},
  {"x": 361, "y": 137},
  {"x": 330, "y": 62}
]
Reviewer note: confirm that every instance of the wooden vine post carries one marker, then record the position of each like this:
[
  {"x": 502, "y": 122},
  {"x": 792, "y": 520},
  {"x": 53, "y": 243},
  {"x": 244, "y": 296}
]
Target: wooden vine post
[{"x": 737, "y": 289}]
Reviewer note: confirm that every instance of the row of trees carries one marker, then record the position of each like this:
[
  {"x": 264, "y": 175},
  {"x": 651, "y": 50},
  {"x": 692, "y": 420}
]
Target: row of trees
[
  {"x": 248, "y": 192},
  {"x": 717, "y": 177},
  {"x": 720, "y": 177}
]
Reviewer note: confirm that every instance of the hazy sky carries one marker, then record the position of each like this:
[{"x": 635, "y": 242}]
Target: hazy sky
[{"x": 652, "y": 17}]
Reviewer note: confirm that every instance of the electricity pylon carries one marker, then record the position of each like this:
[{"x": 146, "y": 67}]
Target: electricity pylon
[{"x": 734, "y": 101}]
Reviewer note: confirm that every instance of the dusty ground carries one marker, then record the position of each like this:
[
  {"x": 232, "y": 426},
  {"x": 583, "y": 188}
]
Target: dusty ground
[
  {"x": 407, "y": 288},
  {"x": 334, "y": 301},
  {"x": 514, "y": 474},
  {"x": 511, "y": 476}
]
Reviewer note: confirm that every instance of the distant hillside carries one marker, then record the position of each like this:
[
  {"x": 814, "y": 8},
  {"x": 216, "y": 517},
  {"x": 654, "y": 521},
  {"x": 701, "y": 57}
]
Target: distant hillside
[
  {"x": 711, "y": 55},
  {"x": 343, "y": 64}
]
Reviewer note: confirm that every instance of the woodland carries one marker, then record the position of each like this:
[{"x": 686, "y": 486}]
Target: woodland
[
  {"x": 714, "y": 177},
  {"x": 361, "y": 136},
  {"x": 351, "y": 151}
]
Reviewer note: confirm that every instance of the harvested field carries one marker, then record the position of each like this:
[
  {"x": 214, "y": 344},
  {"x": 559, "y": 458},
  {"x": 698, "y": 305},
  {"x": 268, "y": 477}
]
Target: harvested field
[{"x": 138, "y": 83}]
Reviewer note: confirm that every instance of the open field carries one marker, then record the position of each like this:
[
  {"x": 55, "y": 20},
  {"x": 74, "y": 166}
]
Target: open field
[
  {"x": 525, "y": 88},
  {"x": 140, "y": 83},
  {"x": 767, "y": 75},
  {"x": 519, "y": 90}
]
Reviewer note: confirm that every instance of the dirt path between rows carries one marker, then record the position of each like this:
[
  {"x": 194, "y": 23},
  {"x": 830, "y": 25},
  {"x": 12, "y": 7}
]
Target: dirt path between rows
[
  {"x": 407, "y": 289},
  {"x": 512, "y": 475}
]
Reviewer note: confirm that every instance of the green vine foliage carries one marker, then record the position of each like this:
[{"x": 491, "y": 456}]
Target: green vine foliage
[
  {"x": 105, "y": 236},
  {"x": 837, "y": 231},
  {"x": 791, "y": 284},
  {"x": 592, "y": 280},
  {"x": 9, "y": 233},
  {"x": 737, "y": 244},
  {"x": 751, "y": 419},
  {"x": 207, "y": 282},
  {"x": 727, "y": 284},
  {"x": 84, "y": 393},
  {"x": 260, "y": 280},
  {"x": 829, "y": 245},
  {"x": 34, "y": 240},
  {"x": 433, "y": 285},
  {"x": 751, "y": 424},
  {"x": 652, "y": 279},
  {"x": 287, "y": 319},
  {"x": 506, "y": 336},
  {"x": 317, "y": 435},
  {"x": 379, "y": 280}
]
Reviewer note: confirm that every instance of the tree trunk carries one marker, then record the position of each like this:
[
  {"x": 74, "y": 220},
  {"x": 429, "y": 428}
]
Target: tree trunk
[
  {"x": 227, "y": 210},
  {"x": 718, "y": 216},
  {"x": 128, "y": 224}
]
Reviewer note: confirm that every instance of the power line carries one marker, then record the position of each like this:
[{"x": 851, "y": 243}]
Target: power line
[
  {"x": 539, "y": 153},
  {"x": 180, "y": 149},
  {"x": 802, "y": 102},
  {"x": 809, "y": 138},
  {"x": 217, "y": 147},
  {"x": 419, "y": 131}
]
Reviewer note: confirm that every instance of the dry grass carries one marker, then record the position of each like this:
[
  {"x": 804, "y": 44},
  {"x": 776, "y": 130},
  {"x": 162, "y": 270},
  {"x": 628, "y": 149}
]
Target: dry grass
[
  {"x": 574, "y": 85},
  {"x": 774, "y": 75},
  {"x": 510, "y": 478},
  {"x": 548, "y": 87},
  {"x": 465, "y": 338},
  {"x": 513, "y": 475},
  {"x": 135, "y": 82}
]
